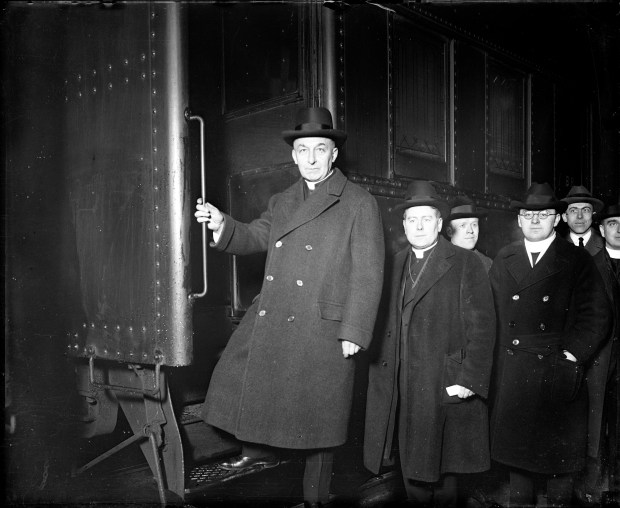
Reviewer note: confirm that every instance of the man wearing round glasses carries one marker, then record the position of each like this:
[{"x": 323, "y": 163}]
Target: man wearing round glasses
[
  {"x": 582, "y": 207},
  {"x": 552, "y": 315}
]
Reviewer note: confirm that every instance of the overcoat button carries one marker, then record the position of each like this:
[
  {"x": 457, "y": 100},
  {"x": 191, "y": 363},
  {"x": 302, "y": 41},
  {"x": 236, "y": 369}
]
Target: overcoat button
[
  {"x": 512, "y": 324},
  {"x": 540, "y": 357},
  {"x": 262, "y": 313},
  {"x": 300, "y": 282},
  {"x": 308, "y": 247},
  {"x": 596, "y": 363},
  {"x": 545, "y": 298},
  {"x": 515, "y": 342},
  {"x": 515, "y": 297},
  {"x": 269, "y": 278},
  {"x": 290, "y": 319},
  {"x": 542, "y": 326},
  {"x": 384, "y": 363},
  {"x": 278, "y": 244},
  {"x": 510, "y": 352}
]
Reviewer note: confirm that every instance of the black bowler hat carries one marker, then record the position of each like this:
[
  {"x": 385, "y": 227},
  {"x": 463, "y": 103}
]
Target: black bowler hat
[
  {"x": 579, "y": 194},
  {"x": 314, "y": 123},
  {"x": 422, "y": 193},
  {"x": 462, "y": 208},
  {"x": 540, "y": 196},
  {"x": 610, "y": 211}
]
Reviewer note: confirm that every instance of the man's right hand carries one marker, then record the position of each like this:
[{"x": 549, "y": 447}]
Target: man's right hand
[{"x": 209, "y": 214}]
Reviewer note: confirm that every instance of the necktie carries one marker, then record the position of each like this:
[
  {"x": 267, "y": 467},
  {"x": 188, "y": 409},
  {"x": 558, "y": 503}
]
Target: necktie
[
  {"x": 581, "y": 242},
  {"x": 534, "y": 257}
]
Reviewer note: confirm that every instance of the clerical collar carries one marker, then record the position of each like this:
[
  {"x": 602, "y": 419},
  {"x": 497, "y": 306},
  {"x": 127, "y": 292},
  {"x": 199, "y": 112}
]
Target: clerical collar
[
  {"x": 312, "y": 185},
  {"x": 586, "y": 237},
  {"x": 419, "y": 253},
  {"x": 540, "y": 247},
  {"x": 613, "y": 253}
]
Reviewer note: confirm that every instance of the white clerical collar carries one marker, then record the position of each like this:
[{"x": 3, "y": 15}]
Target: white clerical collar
[
  {"x": 540, "y": 247},
  {"x": 312, "y": 185},
  {"x": 419, "y": 253},
  {"x": 586, "y": 237},
  {"x": 613, "y": 253}
]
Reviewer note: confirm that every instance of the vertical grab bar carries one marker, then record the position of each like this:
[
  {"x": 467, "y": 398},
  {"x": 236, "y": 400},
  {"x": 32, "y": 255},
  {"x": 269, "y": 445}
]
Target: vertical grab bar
[{"x": 189, "y": 117}]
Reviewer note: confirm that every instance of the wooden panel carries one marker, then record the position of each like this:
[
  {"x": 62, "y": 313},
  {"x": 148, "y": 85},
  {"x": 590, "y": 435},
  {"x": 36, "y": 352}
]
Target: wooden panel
[
  {"x": 543, "y": 130},
  {"x": 470, "y": 118},
  {"x": 366, "y": 118}
]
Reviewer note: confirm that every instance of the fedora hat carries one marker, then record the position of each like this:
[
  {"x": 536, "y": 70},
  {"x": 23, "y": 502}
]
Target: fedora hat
[
  {"x": 610, "y": 211},
  {"x": 463, "y": 207},
  {"x": 540, "y": 196},
  {"x": 422, "y": 193},
  {"x": 579, "y": 194},
  {"x": 314, "y": 123}
]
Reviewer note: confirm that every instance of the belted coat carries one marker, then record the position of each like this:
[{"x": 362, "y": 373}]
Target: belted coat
[
  {"x": 448, "y": 331},
  {"x": 539, "y": 413},
  {"x": 282, "y": 379}
]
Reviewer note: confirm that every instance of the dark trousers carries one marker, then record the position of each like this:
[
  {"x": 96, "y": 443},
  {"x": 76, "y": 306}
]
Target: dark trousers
[
  {"x": 317, "y": 473},
  {"x": 443, "y": 493},
  {"x": 523, "y": 492}
]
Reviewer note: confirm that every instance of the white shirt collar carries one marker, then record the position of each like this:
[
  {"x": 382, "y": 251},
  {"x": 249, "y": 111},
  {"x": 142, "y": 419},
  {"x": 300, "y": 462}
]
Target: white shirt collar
[
  {"x": 419, "y": 253},
  {"x": 613, "y": 253},
  {"x": 312, "y": 185},
  {"x": 586, "y": 237},
  {"x": 540, "y": 247}
]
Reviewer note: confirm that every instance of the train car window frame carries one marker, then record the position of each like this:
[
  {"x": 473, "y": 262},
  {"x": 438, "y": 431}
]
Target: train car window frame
[
  {"x": 506, "y": 132},
  {"x": 265, "y": 95}
]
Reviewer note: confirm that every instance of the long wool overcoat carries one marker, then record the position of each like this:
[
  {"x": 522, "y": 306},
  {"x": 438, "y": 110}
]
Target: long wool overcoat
[
  {"x": 450, "y": 338},
  {"x": 539, "y": 414},
  {"x": 282, "y": 379}
]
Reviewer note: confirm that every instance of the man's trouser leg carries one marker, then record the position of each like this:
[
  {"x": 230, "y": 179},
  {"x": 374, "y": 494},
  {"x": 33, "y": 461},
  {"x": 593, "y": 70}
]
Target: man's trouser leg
[
  {"x": 560, "y": 490},
  {"x": 521, "y": 489},
  {"x": 318, "y": 475},
  {"x": 419, "y": 494}
]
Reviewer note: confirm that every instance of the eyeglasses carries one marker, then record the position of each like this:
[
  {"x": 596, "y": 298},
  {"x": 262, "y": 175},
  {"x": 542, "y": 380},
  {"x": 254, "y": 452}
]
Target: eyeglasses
[
  {"x": 541, "y": 215},
  {"x": 586, "y": 210}
]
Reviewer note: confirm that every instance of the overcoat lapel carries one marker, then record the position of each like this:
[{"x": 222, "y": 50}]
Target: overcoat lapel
[
  {"x": 302, "y": 211},
  {"x": 436, "y": 268},
  {"x": 518, "y": 265}
]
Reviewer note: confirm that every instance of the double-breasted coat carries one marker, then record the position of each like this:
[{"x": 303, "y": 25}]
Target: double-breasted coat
[
  {"x": 600, "y": 368},
  {"x": 282, "y": 379},
  {"x": 449, "y": 331},
  {"x": 539, "y": 413}
]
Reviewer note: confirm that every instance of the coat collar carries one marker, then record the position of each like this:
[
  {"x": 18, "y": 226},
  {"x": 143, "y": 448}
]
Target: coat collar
[
  {"x": 438, "y": 265},
  {"x": 300, "y": 211},
  {"x": 553, "y": 261}
]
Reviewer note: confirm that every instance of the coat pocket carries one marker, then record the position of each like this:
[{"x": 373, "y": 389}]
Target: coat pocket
[
  {"x": 330, "y": 311},
  {"x": 452, "y": 365},
  {"x": 566, "y": 378}
]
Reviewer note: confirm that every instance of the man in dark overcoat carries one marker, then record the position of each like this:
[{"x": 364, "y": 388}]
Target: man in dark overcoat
[
  {"x": 429, "y": 372},
  {"x": 552, "y": 316},
  {"x": 285, "y": 378},
  {"x": 579, "y": 216},
  {"x": 602, "y": 376}
]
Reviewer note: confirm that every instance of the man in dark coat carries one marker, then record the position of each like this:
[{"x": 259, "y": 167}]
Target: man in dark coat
[
  {"x": 603, "y": 372},
  {"x": 579, "y": 215},
  {"x": 429, "y": 373},
  {"x": 552, "y": 316},
  {"x": 464, "y": 227},
  {"x": 285, "y": 379}
]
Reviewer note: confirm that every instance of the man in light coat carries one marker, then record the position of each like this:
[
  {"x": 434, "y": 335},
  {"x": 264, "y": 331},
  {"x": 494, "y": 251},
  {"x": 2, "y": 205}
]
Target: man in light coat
[
  {"x": 285, "y": 379},
  {"x": 430, "y": 369},
  {"x": 552, "y": 316}
]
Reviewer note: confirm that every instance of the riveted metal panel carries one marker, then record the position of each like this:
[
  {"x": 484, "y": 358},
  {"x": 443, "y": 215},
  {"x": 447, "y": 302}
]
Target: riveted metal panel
[{"x": 125, "y": 95}]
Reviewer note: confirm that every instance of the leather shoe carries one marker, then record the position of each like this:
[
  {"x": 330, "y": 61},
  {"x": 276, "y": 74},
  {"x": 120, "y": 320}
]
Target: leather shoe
[{"x": 240, "y": 463}]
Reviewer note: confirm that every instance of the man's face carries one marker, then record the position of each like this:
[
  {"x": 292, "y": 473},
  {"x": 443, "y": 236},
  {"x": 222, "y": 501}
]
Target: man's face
[
  {"x": 314, "y": 157},
  {"x": 422, "y": 226},
  {"x": 578, "y": 216},
  {"x": 464, "y": 232},
  {"x": 610, "y": 230},
  {"x": 537, "y": 228}
]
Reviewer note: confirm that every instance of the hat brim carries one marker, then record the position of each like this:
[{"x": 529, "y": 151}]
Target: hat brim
[
  {"x": 442, "y": 206},
  {"x": 474, "y": 215},
  {"x": 558, "y": 206},
  {"x": 596, "y": 203},
  {"x": 339, "y": 137},
  {"x": 599, "y": 217}
]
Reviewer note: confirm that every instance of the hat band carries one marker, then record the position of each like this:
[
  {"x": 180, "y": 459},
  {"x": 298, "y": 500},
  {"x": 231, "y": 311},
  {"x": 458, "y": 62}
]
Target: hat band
[
  {"x": 589, "y": 196},
  {"x": 539, "y": 200},
  {"x": 312, "y": 126},
  {"x": 463, "y": 209}
]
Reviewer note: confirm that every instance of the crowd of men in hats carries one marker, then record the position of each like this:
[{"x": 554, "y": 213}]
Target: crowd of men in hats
[{"x": 470, "y": 359}]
